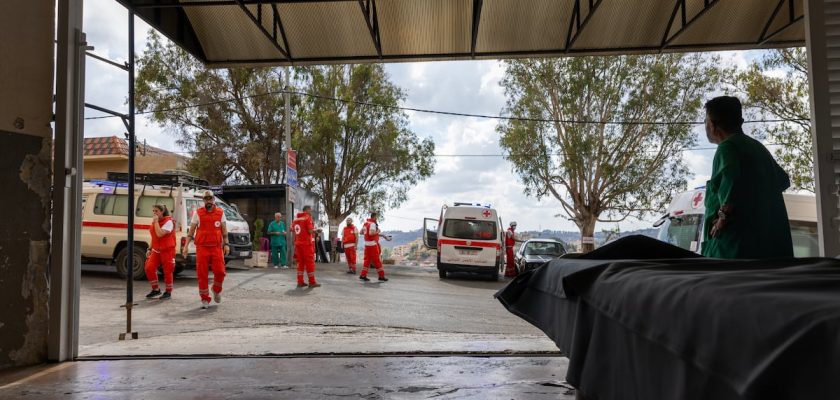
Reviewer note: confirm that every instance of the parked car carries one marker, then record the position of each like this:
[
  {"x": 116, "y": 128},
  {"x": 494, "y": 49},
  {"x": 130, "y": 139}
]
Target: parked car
[{"x": 536, "y": 252}]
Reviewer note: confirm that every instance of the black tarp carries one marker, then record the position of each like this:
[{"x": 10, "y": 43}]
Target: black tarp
[{"x": 641, "y": 319}]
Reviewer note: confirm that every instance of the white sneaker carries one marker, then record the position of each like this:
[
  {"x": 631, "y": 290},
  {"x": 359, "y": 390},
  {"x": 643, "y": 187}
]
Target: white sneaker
[
  {"x": 204, "y": 304},
  {"x": 285, "y": 267},
  {"x": 217, "y": 297}
]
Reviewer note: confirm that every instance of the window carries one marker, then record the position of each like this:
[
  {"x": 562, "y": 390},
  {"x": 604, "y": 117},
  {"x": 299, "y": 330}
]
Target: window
[
  {"x": 230, "y": 213},
  {"x": 117, "y": 204},
  {"x": 145, "y": 203},
  {"x": 111, "y": 204},
  {"x": 192, "y": 205},
  {"x": 544, "y": 249},
  {"x": 468, "y": 229},
  {"x": 804, "y": 235},
  {"x": 681, "y": 231}
]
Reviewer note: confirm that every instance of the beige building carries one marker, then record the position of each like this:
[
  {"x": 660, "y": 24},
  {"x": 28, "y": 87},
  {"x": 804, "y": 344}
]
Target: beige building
[{"x": 110, "y": 154}]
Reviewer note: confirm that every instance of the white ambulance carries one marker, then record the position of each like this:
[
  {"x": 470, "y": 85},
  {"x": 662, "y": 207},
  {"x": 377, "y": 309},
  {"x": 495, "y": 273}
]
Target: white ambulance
[
  {"x": 683, "y": 224},
  {"x": 468, "y": 238},
  {"x": 105, "y": 219}
]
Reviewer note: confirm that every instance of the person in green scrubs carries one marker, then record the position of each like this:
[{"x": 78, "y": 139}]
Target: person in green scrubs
[
  {"x": 277, "y": 232},
  {"x": 745, "y": 211}
]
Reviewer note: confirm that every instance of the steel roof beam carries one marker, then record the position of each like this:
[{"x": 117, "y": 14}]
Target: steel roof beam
[
  {"x": 205, "y": 3},
  {"x": 259, "y": 25},
  {"x": 685, "y": 23},
  {"x": 792, "y": 19},
  {"x": 476, "y": 18},
  {"x": 576, "y": 25},
  {"x": 369, "y": 11},
  {"x": 278, "y": 24}
]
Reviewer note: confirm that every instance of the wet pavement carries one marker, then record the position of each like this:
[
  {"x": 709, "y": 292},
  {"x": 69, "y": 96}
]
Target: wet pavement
[
  {"x": 371, "y": 378},
  {"x": 263, "y": 313}
]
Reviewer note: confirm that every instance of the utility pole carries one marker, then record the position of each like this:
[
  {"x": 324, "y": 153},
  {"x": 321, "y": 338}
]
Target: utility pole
[{"x": 287, "y": 145}]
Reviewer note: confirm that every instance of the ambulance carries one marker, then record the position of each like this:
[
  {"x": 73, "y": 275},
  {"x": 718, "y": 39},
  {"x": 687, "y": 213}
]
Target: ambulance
[
  {"x": 468, "y": 237},
  {"x": 682, "y": 225},
  {"x": 105, "y": 219}
]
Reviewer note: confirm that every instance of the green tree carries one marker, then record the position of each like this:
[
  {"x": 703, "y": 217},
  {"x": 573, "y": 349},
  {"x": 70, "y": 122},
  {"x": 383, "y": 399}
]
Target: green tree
[
  {"x": 238, "y": 140},
  {"x": 604, "y": 171},
  {"x": 776, "y": 87},
  {"x": 357, "y": 157}
]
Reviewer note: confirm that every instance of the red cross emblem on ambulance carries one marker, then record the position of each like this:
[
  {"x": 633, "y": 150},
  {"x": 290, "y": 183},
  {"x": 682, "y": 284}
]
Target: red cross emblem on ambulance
[
  {"x": 697, "y": 200},
  {"x": 486, "y": 213}
]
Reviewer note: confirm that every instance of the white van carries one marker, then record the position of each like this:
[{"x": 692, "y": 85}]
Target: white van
[
  {"x": 468, "y": 238},
  {"x": 105, "y": 220},
  {"x": 683, "y": 224}
]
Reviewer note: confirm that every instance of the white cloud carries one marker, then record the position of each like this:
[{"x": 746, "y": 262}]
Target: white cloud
[{"x": 455, "y": 86}]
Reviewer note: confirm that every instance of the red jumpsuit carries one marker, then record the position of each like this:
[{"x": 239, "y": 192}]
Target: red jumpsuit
[
  {"x": 162, "y": 252},
  {"x": 510, "y": 269},
  {"x": 304, "y": 247},
  {"x": 349, "y": 239},
  {"x": 209, "y": 251},
  {"x": 372, "y": 250}
]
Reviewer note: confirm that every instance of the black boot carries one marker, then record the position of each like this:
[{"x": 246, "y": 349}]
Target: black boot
[
  {"x": 153, "y": 293},
  {"x": 166, "y": 296},
  {"x": 364, "y": 278},
  {"x": 383, "y": 279}
]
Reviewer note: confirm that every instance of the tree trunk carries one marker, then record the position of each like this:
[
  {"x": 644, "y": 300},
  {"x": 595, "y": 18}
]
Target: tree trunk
[
  {"x": 587, "y": 235},
  {"x": 334, "y": 222}
]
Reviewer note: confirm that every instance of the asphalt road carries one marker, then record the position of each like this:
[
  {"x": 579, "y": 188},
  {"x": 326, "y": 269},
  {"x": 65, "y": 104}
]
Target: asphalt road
[{"x": 262, "y": 312}]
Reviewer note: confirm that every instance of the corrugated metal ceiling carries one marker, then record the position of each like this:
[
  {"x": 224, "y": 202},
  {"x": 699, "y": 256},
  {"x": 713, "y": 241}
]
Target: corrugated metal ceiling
[{"x": 294, "y": 32}]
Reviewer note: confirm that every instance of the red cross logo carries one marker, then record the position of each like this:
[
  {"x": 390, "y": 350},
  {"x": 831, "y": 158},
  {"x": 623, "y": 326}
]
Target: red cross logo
[
  {"x": 486, "y": 213},
  {"x": 696, "y": 200}
]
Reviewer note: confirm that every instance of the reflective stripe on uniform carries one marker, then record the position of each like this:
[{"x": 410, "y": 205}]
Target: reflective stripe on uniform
[
  {"x": 349, "y": 245},
  {"x": 370, "y": 243}
]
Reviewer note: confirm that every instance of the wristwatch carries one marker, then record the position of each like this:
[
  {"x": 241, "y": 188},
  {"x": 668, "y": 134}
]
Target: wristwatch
[{"x": 721, "y": 215}]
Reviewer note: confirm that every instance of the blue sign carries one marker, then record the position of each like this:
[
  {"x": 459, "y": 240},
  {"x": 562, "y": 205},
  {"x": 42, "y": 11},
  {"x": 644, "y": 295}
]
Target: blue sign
[
  {"x": 217, "y": 189},
  {"x": 291, "y": 177}
]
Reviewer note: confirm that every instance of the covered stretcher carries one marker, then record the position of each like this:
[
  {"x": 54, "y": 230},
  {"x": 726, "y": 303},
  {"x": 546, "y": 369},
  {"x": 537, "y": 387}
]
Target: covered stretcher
[{"x": 641, "y": 319}]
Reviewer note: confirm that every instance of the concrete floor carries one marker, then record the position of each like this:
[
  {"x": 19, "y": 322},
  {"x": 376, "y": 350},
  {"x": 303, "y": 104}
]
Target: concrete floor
[{"x": 369, "y": 378}]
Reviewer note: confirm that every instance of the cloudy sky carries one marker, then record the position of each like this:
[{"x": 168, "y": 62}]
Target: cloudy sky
[{"x": 458, "y": 86}]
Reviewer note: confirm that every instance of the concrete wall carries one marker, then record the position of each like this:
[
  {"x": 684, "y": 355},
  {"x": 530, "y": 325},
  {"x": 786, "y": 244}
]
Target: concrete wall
[
  {"x": 97, "y": 167},
  {"x": 26, "y": 86}
]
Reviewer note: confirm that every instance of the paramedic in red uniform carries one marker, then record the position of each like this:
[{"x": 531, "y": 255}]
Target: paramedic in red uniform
[
  {"x": 162, "y": 251},
  {"x": 304, "y": 229},
  {"x": 349, "y": 237},
  {"x": 371, "y": 231},
  {"x": 209, "y": 233},
  {"x": 510, "y": 241}
]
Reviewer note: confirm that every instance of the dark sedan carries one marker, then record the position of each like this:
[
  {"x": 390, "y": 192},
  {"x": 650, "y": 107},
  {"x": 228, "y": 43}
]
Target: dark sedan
[{"x": 536, "y": 252}]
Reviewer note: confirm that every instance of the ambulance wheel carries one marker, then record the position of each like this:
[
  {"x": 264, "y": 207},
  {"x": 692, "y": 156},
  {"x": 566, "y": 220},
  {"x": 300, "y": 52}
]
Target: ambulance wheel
[
  {"x": 139, "y": 267},
  {"x": 442, "y": 273}
]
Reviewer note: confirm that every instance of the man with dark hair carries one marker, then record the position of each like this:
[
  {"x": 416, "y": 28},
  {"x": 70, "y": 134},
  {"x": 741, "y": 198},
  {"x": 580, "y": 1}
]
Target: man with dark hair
[{"x": 745, "y": 211}]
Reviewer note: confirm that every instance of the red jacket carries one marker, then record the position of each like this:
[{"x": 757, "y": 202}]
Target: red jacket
[
  {"x": 371, "y": 231},
  {"x": 209, "y": 232},
  {"x": 166, "y": 241},
  {"x": 301, "y": 225},
  {"x": 509, "y": 241},
  {"x": 348, "y": 236}
]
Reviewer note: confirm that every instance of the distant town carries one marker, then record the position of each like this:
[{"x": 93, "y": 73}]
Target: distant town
[{"x": 406, "y": 248}]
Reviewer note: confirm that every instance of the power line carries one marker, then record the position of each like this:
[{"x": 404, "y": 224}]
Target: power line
[{"x": 450, "y": 113}]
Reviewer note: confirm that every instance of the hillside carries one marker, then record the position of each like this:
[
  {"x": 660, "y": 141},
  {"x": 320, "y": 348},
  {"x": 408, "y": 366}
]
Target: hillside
[{"x": 402, "y": 237}]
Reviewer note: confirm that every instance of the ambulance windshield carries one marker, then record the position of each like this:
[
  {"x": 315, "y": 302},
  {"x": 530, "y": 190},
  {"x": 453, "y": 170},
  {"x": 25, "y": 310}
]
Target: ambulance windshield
[{"x": 469, "y": 229}]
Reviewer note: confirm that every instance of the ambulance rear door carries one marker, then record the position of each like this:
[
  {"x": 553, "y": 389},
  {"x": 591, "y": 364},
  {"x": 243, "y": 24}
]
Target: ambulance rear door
[{"x": 470, "y": 238}]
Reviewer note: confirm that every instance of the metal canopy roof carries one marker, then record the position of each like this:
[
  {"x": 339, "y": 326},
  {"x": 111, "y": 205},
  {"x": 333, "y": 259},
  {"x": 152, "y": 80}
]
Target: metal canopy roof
[{"x": 287, "y": 32}]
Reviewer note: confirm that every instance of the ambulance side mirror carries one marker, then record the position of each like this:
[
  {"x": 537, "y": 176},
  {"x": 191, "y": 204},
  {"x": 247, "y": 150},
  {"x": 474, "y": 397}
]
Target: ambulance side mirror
[{"x": 661, "y": 221}]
